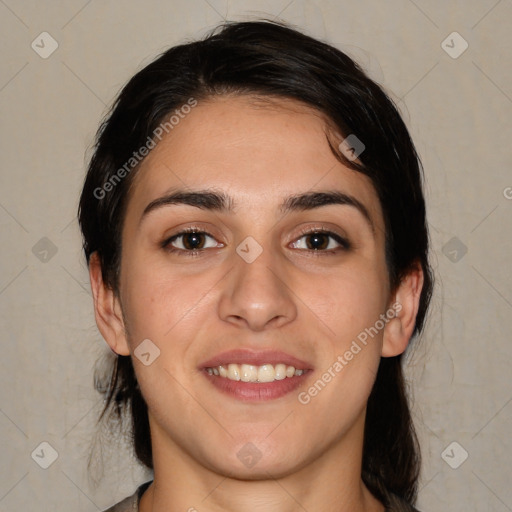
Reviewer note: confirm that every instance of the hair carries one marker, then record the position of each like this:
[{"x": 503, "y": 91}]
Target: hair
[{"x": 271, "y": 60}]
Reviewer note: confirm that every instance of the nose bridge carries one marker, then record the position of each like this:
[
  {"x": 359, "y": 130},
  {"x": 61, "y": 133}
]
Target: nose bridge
[{"x": 255, "y": 294}]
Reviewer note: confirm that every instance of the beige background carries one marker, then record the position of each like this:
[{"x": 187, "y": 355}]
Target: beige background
[{"x": 458, "y": 111}]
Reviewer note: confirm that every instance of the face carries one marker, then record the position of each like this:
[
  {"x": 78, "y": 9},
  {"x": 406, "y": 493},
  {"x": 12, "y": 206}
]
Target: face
[{"x": 234, "y": 264}]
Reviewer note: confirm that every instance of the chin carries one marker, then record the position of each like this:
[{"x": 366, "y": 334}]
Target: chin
[{"x": 250, "y": 461}]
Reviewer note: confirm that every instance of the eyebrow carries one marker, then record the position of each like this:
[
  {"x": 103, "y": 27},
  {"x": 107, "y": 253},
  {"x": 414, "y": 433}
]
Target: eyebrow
[{"x": 220, "y": 202}]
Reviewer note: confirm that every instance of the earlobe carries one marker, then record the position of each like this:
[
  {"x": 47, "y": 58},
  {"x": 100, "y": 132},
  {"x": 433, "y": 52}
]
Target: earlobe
[
  {"x": 398, "y": 331},
  {"x": 107, "y": 309}
]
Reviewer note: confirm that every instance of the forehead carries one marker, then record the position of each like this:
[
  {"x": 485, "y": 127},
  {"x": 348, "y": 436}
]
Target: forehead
[{"x": 257, "y": 150}]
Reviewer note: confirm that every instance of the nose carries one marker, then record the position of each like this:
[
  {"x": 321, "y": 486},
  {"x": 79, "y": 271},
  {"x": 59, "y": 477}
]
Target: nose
[{"x": 256, "y": 296}]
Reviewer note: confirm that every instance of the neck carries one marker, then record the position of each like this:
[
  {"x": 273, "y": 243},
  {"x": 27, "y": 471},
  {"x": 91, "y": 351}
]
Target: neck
[{"x": 331, "y": 482}]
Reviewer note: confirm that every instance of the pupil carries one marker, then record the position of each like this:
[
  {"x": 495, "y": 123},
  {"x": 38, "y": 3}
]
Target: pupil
[
  {"x": 317, "y": 241},
  {"x": 193, "y": 241}
]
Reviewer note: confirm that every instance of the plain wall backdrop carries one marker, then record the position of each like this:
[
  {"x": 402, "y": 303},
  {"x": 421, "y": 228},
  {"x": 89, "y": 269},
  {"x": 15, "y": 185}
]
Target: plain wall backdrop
[{"x": 457, "y": 103}]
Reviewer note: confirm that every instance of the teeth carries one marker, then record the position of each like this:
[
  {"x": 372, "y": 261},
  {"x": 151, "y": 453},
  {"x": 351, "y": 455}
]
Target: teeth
[
  {"x": 248, "y": 373},
  {"x": 266, "y": 373},
  {"x": 233, "y": 372},
  {"x": 280, "y": 371},
  {"x": 251, "y": 373}
]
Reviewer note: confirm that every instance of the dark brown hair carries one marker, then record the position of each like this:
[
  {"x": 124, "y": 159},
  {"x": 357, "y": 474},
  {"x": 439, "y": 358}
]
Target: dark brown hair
[{"x": 268, "y": 59}]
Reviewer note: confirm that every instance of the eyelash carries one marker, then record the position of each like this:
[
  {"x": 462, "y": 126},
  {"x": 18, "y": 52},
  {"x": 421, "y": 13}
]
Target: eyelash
[
  {"x": 343, "y": 242},
  {"x": 345, "y": 245}
]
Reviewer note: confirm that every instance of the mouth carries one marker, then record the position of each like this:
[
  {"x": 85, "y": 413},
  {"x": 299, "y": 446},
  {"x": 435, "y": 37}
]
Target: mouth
[
  {"x": 255, "y": 375},
  {"x": 251, "y": 373}
]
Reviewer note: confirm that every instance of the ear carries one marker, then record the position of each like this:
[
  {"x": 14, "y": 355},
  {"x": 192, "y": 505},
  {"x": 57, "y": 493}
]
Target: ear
[
  {"x": 107, "y": 309},
  {"x": 405, "y": 302}
]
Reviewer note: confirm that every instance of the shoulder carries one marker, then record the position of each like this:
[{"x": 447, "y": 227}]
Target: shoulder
[{"x": 131, "y": 503}]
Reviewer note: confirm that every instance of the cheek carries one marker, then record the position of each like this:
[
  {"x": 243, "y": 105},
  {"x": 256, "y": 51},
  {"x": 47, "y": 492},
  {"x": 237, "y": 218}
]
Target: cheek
[
  {"x": 358, "y": 299},
  {"x": 350, "y": 354},
  {"x": 158, "y": 300},
  {"x": 347, "y": 303}
]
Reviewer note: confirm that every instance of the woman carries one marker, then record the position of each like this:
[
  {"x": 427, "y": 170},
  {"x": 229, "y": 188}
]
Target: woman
[{"x": 254, "y": 225}]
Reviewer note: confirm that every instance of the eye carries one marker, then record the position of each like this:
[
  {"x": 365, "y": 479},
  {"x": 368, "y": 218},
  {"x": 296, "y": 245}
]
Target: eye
[
  {"x": 191, "y": 241},
  {"x": 321, "y": 240}
]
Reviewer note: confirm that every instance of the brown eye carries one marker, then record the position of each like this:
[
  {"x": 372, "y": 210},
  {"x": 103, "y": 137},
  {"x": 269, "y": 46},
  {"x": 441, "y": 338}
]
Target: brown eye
[
  {"x": 317, "y": 241},
  {"x": 192, "y": 241},
  {"x": 189, "y": 241},
  {"x": 321, "y": 241}
]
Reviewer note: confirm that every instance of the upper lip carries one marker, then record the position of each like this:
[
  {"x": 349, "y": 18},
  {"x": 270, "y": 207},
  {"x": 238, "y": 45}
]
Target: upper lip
[{"x": 255, "y": 358}]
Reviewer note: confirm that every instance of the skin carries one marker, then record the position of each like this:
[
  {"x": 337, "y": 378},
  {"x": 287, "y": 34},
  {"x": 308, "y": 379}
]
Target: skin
[{"x": 311, "y": 304}]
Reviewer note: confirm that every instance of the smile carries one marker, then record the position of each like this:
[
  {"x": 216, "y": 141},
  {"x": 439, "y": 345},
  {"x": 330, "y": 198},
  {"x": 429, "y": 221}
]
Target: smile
[{"x": 251, "y": 373}]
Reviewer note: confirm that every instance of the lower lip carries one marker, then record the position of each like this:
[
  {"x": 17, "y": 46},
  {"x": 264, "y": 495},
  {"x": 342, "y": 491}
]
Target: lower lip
[{"x": 255, "y": 391}]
